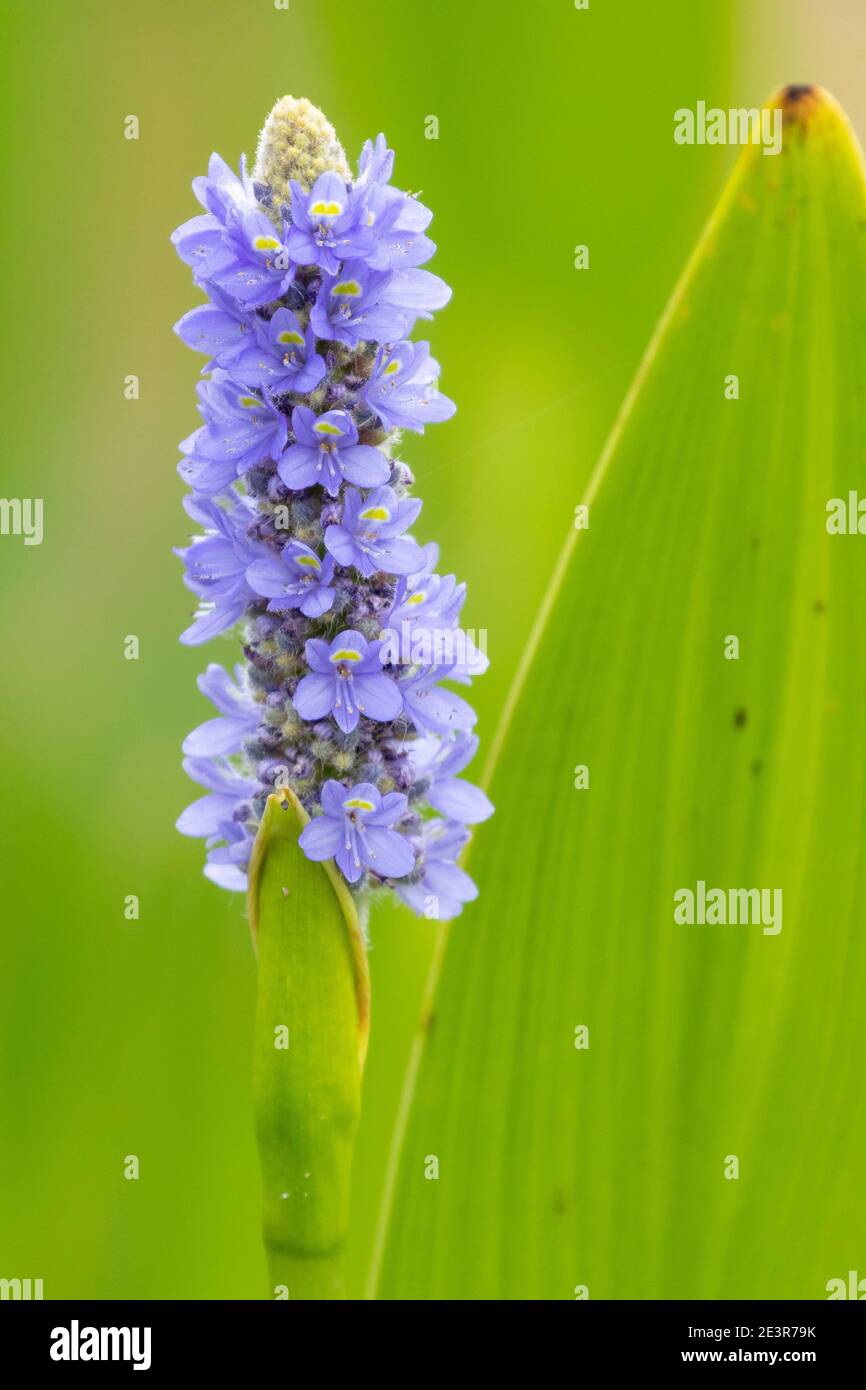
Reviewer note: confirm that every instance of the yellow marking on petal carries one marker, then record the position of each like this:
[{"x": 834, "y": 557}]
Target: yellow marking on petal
[
  {"x": 376, "y": 514},
  {"x": 325, "y": 427},
  {"x": 391, "y": 368},
  {"x": 346, "y": 654},
  {"x": 309, "y": 560},
  {"x": 347, "y": 287},
  {"x": 417, "y": 598},
  {"x": 290, "y": 336},
  {"x": 267, "y": 243},
  {"x": 357, "y": 803},
  {"x": 326, "y": 209},
  {"x": 249, "y": 402}
]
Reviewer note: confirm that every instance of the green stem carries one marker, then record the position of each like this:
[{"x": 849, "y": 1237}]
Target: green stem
[
  {"x": 306, "y": 1276},
  {"x": 312, "y": 1015}
]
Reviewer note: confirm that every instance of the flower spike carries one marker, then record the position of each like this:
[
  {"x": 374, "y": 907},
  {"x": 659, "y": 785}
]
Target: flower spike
[{"x": 314, "y": 281}]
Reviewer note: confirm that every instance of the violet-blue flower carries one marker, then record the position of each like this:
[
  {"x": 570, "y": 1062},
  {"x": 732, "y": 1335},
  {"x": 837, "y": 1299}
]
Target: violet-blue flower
[
  {"x": 370, "y": 533},
  {"x": 346, "y": 680},
  {"x": 294, "y": 578},
  {"x": 237, "y": 718},
  {"x": 258, "y": 268},
  {"x": 240, "y": 429},
  {"x": 354, "y": 828},
  {"x": 350, "y": 307},
  {"x": 216, "y": 564},
  {"x": 403, "y": 388},
  {"x": 220, "y": 327},
  {"x": 327, "y": 452},
  {"x": 283, "y": 358},
  {"x": 440, "y": 888},
  {"x": 326, "y": 227}
]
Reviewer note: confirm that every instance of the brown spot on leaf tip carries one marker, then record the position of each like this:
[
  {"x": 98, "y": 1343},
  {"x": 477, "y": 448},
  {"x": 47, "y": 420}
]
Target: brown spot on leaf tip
[
  {"x": 801, "y": 101},
  {"x": 797, "y": 92}
]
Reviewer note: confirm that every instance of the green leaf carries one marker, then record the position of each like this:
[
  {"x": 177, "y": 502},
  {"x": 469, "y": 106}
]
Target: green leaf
[
  {"x": 312, "y": 1021},
  {"x": 608, "y": 1168}
]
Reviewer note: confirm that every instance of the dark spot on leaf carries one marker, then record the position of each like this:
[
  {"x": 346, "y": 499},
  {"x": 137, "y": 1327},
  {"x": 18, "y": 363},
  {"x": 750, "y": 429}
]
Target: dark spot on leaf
[
  {"x": 818, "y": 606},
  {"x": 791, "y": 95},
  {"x": 740, "y": 717},
  {"x": 800, "y": 102},
  {"x": 757, "y": 765},
  {"x": 427, "y": 1024},
  {"x": 560, "y": 1205}
]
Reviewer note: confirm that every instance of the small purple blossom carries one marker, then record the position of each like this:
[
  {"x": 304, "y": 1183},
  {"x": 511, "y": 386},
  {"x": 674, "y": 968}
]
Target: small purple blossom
[
  {"x": 295, "y": 578},
  {"x": 350, "y": 307},
  {"x": 327, "y": 452},
  {"x": 283, "y": 358},
  {"x": 237, "y": 718},
  {"x": 224, "y": 786},
  {"x": 221, "y": 328},
  {"x": 213, "y": 817},
  {"x": 326, "y": 226},
  {"x": 397, "y": 221},
  {"x": 443, "y": 888},
  {"x": 216, "y": 565},
  {"x": 241, "y": 430},
  {"x": 442, "y": 758},
  {"x": 346, "y": 680},
  {"x": 259, "y": 268},
  {"x": 354, "y": 828},
  {"x": 370, "y": 534},
  {"x": 403, "y": 389}
]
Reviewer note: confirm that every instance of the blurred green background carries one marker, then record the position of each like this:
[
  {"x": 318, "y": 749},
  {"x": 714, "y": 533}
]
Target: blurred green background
[{"x": 124, "y": 1037}]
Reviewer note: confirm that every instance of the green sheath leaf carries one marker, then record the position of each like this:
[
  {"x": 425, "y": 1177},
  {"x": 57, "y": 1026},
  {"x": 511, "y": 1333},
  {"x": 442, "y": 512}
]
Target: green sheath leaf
[
  {"x": 598, "y": 1163},
  {"x": 312, "y": 1021}
]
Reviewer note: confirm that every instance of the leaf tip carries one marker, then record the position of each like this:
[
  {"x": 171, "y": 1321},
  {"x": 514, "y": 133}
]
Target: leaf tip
[{"x": 806, "y": 105}]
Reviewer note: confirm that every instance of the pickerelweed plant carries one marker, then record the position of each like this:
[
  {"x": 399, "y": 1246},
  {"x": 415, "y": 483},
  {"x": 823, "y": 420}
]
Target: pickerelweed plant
[
  {"x": 314, "y": 283},
  {"x": 331, "y": 769}
]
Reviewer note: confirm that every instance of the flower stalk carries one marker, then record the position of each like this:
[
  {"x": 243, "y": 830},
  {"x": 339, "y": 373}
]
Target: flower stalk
[{"x": 312, "y": 1024}]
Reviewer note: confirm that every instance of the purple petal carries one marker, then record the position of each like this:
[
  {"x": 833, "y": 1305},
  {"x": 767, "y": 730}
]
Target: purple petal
[
  {"x": 216, "y": 736},
  {"x": 460, "y": 801},
  {"x": 203, "y": 816},
  {"x": 377, "y": 696},
  {"x": 322, "y": 838},
  {"x": 267, "y": 577},
  {"x": 314, "y": 696},
  {"x": 317, "y": 602},
  {"x": 351, "y": 870},
  {"x": 386, "y": 852},
  {"x": 297, "y": 467},
  {"x": 362, "y": 464}
]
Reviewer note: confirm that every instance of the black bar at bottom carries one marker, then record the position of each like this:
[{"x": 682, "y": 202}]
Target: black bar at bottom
[{"x": 255, "y": 1338}]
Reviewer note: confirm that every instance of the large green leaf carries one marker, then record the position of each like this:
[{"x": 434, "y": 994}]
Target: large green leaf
[{"x": 611, "y": 1166}]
